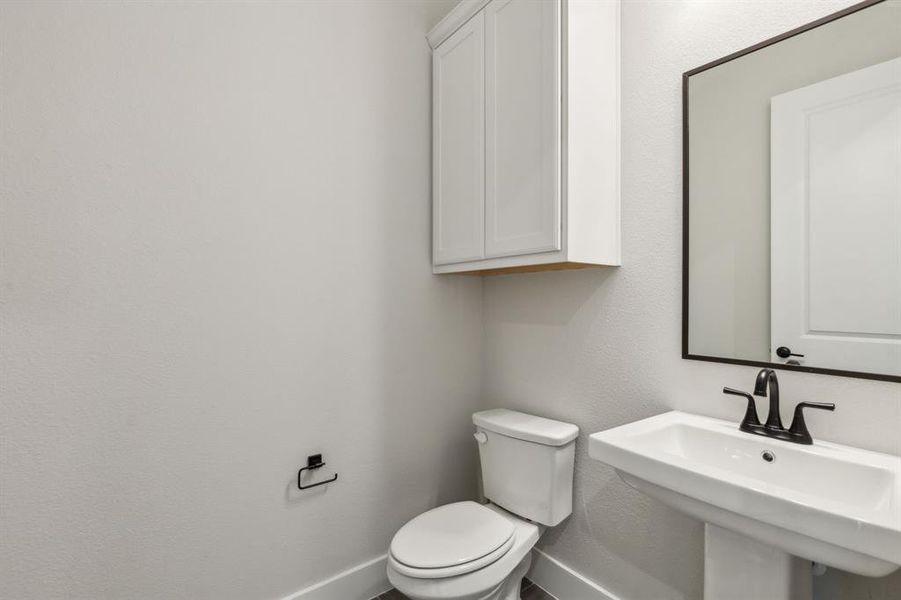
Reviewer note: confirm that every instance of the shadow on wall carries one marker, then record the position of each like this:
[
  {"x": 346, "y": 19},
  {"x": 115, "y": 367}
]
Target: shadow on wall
[
  {"x": 547, "y": 338},
  {"x": 638, "y": 541},
  {"x": 527, "y": 299},
  {"x": 631, "y": 533},
  {"x": 405, "y": 380},
  {"x": 427, "y": 329}
]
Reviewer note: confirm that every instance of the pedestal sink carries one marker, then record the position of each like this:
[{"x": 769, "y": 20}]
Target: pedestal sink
[{"x": 770, "y": 506}]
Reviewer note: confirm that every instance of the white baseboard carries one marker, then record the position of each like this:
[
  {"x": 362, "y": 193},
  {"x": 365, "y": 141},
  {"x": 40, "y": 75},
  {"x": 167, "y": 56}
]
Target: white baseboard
[
  {"x": 362, "y": 582},
  {"x": 563, "y": 583},
  {"x": 370, "y": 579}
]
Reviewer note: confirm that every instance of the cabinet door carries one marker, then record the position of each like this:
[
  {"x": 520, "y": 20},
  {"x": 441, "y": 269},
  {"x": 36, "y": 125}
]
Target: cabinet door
[
  {"x": 458, "y": 154},
  {"x": 522, "y": 199}
]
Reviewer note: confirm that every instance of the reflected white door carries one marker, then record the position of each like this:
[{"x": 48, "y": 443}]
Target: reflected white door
[
  {"x": 836, "y": 221},
  {"x": 522, "y": 123}
]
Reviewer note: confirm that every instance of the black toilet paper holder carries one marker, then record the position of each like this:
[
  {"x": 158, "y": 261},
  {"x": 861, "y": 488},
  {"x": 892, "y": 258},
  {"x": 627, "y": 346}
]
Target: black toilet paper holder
[{"x": 314, "y": 462}]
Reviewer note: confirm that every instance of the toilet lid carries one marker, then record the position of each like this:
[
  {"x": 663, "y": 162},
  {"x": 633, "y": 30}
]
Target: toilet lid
[{"x": 450, "y": 535}]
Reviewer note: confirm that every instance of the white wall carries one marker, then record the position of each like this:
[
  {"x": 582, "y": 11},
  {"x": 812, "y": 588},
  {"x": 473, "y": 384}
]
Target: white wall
[
  {"x": 215, "y": 261},
  {"x": 602, "y": 347}
]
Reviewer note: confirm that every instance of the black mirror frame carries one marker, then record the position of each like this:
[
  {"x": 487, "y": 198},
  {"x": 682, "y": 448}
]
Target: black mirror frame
[{"x": 685, "y": 202}]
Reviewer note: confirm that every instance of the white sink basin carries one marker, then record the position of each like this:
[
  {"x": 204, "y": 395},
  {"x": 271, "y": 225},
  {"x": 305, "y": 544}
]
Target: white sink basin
[{"x": 830, "y": 503}]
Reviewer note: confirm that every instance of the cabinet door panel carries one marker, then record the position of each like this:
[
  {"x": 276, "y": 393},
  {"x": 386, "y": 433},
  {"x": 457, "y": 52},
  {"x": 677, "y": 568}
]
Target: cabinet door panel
[
  {"x": 458, "y": 171},
  {"x": 522, "y": 212}
]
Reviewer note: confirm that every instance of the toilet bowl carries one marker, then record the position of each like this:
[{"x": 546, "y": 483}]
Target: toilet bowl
[
  {"x": 452, "y": 555},
  {"x": 471, "y": 551}
]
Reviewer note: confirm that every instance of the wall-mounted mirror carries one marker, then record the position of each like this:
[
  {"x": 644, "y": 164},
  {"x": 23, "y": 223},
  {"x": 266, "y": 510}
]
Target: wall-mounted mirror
[{"x": 792, "y": 199}]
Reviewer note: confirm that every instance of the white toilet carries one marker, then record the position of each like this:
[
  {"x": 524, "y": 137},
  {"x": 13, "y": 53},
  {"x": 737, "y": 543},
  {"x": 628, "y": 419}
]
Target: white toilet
[{"x": 470, "y": 551}]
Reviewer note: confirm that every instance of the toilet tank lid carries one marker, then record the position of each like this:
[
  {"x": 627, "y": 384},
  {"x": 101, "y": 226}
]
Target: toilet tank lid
[{"x": 526, "y": 427}]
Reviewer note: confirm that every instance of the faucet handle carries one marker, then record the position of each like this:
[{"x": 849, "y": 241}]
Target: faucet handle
[
  {"x": 799, "y": 427},
  {"x": 750, "y": 421}
]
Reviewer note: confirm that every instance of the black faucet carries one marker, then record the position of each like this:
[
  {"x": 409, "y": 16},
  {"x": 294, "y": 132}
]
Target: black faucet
[{"x": 768, "y": 385}]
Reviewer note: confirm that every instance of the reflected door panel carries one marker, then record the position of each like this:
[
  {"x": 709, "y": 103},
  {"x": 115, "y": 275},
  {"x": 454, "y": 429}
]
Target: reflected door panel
[{"x": 836, "y": 221}]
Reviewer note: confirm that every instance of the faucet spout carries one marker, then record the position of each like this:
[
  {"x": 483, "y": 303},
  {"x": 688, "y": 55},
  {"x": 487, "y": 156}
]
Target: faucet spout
[{"x": 767, "y": 385}]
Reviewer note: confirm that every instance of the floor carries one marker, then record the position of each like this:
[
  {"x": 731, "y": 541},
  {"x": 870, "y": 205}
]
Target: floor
[{"x": 530, "y": 591}]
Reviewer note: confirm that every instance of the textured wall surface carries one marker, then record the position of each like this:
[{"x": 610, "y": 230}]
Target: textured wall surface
[
  {"x": 215, "y": 261},
  {"x": 602, "y": 348}
]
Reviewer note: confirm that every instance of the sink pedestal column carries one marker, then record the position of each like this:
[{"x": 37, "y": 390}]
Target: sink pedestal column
[{"x": 739, "y": 568}]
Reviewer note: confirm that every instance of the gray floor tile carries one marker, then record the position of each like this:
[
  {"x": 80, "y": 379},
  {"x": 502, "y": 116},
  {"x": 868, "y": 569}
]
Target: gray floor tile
[
  {"x": 530, "y": 591},
  {"x": 536, "y": 593}
]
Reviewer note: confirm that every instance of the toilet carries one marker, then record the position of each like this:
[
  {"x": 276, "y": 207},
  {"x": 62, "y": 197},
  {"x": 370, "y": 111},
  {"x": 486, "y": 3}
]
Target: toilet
[{"x": 471, "y": 551}]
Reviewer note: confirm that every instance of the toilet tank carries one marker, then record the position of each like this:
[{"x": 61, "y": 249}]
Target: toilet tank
[{"x": 527, "y": 463}]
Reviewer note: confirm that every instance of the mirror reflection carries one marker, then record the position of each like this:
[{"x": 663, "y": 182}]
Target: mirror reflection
[{"x": 793, "y": 200}]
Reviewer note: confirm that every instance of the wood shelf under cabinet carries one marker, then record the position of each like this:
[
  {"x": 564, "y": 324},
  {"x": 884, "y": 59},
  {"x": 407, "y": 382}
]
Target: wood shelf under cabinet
[{"x": 560, "y": 266}]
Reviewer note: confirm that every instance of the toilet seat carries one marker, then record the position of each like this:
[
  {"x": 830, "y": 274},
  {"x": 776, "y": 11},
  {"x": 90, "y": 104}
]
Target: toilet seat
[
  {"x": 478, "y": 584},
  {"x": 450, "y": 540}
]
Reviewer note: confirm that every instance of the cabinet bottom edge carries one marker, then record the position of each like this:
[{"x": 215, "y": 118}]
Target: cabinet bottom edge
[{"x": 554, "y": 266}]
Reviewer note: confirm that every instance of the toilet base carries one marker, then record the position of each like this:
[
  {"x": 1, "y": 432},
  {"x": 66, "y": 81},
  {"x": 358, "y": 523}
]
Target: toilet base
[
  {"x": 509, "y": 589},
  {"x": 512, "y": 588}
]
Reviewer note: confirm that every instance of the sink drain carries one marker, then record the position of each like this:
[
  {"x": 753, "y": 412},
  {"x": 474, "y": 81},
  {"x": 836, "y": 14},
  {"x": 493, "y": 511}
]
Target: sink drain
[{"x": 768, "y": 456}]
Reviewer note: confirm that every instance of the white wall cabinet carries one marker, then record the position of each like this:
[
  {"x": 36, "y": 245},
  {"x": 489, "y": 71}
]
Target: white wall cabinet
[
  {"x": 526, "y": 136},
  {"x": 458, "y": 83}
]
